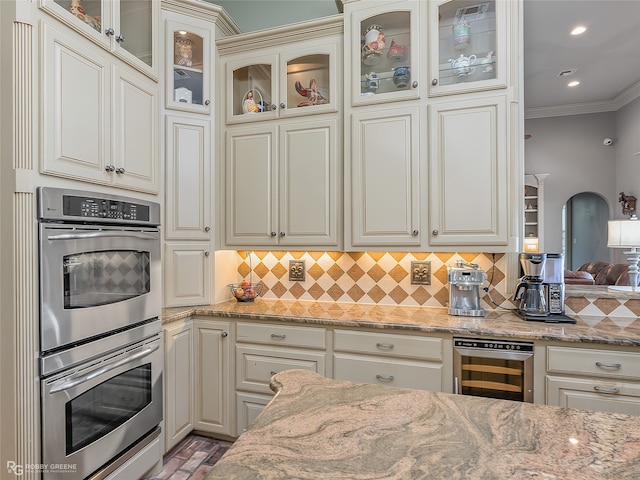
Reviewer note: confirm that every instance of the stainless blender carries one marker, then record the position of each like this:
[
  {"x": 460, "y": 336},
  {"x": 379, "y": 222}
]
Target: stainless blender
[{"x": 530, "y": 290}]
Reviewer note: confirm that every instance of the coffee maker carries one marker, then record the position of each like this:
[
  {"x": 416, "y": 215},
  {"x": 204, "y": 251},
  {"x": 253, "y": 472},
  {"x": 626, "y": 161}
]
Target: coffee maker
[
  {"x": 465, "y": 280},
  {"x": 530, "y": 292},
  {"x": 540, "y": 291}
]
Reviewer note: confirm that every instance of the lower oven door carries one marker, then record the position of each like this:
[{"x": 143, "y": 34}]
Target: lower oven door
[{"x": 97, "y": 411}]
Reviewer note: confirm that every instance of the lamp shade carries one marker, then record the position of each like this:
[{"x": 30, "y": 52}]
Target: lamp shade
[{"x": 624, "y": 233}]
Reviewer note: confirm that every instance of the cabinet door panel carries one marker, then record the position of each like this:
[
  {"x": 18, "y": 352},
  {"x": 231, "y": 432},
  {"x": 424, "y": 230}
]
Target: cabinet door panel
[
  {"x": 248, "y": 407},
  {"x": 188, "y": 214},
  {"x": 251, "y": 214},
  {"x": 386, "y": 179},
  {"x": 135, "y": 118},
  {"x": 187, "y": 274},
  {"x": 308, "y": 179},
  {"x": 178, "y": 376},
  {"x": 468, "y": 203},
  {"x": 76, "y": 110},
  {"x": 213, "y": 366}
]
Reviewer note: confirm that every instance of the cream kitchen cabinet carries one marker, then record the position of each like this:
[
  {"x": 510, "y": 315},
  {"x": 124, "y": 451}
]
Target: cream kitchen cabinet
[
  {"x": 283, "y": 184},
  {"x": 295, "y": 75},
  {"x": 188, "y": 272},
  {"x": 593, "y": 379},
  {"x": 188, "y": 213},
  {"x": 383, "y": 51},
  {"x": 213, "y": 349},
  {"x": 178, "y": 382},
  {"x": 469, "y": 172},
  {"x": 100, "y": 117},
  {"x": 127, "y": 29},
  {"x": 385, "y": 178},
  {"x": 262, "y": 350},
  {"x": 390, "y": 359},
  {"x": 469, "y": 46},
  {"x": 189, "y": 47}
]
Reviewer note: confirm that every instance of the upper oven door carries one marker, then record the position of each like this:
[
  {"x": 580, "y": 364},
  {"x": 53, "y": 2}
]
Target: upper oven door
[{"x": 96, "y": 279}]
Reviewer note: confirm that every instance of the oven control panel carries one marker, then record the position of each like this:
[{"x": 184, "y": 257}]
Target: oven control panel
[
  {"x": 484, "y": 344},
  {"x": 62, "y": 205},
  {"x": 104, "y": 208}
]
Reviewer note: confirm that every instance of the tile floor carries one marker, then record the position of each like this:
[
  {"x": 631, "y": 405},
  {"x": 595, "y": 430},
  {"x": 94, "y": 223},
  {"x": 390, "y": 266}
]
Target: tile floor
[{"x": 192, "y": 459}]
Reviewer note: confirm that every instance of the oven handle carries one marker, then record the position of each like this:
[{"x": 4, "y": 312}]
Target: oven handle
[
  {"x": 73, "y": 380},
  {"x": 102, "y": 234}
]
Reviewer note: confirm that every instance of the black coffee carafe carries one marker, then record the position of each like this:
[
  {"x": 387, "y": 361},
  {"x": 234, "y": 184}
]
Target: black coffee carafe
[{"x": 530, "y": 292}]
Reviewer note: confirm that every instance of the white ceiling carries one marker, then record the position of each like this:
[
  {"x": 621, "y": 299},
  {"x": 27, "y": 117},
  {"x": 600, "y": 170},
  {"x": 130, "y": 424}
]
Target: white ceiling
[{"x": 606, "y": 56}]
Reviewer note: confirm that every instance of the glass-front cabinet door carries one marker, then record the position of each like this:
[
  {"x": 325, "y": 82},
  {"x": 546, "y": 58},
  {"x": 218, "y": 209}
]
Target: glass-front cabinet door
[
  {"x": 309, "y": 83},
  {"x": 251, "y": 89},
  {"x": 467, "y": 41},
  {"x": 299, "y": 80},
  {"x": 189, "y": 80},
  {"x": 385, "y": 53},
  {"x": 127, "y": 28}
]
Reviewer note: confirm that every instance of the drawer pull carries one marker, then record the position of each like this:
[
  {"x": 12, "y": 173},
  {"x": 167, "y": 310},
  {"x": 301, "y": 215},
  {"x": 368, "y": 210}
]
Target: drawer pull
[
  {"x": 278, "y": 336},
  {"x": 608, "y": 365},
  {"x": 385, "y": 378},
  {"x": 273, "y": 373},
  {"x": 600, "y": 389},
  {"x": 388, "y": 346}
]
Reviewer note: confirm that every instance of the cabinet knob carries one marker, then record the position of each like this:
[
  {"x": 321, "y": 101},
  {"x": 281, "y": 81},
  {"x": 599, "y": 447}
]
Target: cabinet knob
[
  {"x": 120, "y": 38},
  {"x": 434, "y": 82},
  {"x": 282, "y": 234},
  {"x": 273, "y": 234},
  {"x": 435, "y": 232},
  {"x": 274, "y": 106},
  {"x": 414, "y": 84},
  {"x": 207, "y": 253},
  {"x": 110, "y": 168},
  {"x": 109, "y": 31},
  {"x": 120, "y": 171},
  {"x": 207, "y": 229},
  {"x": 207, "y": 102},
  {"x": 224, "y": 334},
  {"x": 415, "y": 233},
  {"x": 282, "y": 105}
]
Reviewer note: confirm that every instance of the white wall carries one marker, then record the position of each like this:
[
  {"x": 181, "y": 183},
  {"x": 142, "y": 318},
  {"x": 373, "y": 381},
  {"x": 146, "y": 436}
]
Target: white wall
[{"x": 571, "y": 151}]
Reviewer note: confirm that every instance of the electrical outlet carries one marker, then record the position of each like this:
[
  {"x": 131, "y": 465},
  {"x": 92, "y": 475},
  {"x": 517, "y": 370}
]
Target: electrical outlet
[
  {"x": 421, "y": 273},
  {"x": 297, "y": 270}
]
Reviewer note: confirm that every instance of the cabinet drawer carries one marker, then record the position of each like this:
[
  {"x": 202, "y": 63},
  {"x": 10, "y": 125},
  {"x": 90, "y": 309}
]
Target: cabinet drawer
[
  {"x": 396, "y": 373},
  {"x": 388, "y": 345},
  {"x": 601, "y": 363},
  {"x": 256, "y": 365},
  {"x": 306, "y": 337},
  {"x": 591, "y": 394}
]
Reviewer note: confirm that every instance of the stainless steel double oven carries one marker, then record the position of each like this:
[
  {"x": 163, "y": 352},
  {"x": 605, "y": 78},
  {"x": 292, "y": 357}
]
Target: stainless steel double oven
[{"x": 101, "y": 349}]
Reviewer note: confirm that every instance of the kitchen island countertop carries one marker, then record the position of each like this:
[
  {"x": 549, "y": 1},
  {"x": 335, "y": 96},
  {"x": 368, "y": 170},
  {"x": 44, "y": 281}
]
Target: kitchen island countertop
[
  {"x": 588, "y": 329},
  {"x": 318, "y": 428}
]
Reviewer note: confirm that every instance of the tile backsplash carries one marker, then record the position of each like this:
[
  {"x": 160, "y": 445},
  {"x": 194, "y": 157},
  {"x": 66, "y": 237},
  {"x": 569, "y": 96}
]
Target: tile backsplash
[
  {"x": 385, "y": 278},
  {"x": 366, "y": 277}
]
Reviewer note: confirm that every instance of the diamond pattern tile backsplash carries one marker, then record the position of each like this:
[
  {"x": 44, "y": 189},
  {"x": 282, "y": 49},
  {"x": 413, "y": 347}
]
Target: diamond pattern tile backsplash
[
  {"x": 366, "y": 277},
  {"x": 385, "y": 278}
]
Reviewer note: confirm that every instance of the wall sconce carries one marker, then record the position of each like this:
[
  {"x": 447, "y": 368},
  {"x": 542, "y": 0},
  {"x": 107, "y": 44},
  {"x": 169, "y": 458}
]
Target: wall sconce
[
  {"x": 626, "y": 234},
  {"x": 531, "y": 244}
]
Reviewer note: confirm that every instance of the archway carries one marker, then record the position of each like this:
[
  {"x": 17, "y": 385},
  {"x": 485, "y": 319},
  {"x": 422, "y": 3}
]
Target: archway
[{"x": 584, "y": 229}]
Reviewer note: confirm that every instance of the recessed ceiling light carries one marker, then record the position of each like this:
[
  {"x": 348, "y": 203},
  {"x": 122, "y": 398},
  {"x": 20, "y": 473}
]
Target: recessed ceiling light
[
  {"x": 575, "y": 83},
  {"x": 578, "y": 30}
]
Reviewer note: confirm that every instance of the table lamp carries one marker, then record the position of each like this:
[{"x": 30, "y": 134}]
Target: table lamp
[{"x": 626, "y": 234}]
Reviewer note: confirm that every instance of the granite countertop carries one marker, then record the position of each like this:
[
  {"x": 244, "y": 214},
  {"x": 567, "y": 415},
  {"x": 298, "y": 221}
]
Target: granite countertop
[
  {"x": 504, "y": 324},
  {"x": 318, "y": 428}
]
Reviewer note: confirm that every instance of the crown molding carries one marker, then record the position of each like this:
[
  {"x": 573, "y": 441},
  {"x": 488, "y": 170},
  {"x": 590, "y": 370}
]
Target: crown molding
[{"x": 619, "y": 101}]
